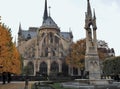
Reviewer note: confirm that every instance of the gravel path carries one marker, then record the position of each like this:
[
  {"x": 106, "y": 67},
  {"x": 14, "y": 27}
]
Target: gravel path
[{"x": 15, "y": 85}]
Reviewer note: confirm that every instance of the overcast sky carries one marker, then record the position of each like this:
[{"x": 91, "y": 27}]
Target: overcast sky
[{"x": 67, "y": 14}]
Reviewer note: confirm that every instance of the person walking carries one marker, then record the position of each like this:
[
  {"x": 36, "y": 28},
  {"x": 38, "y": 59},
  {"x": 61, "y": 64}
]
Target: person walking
[
  {"x": 4, "y": 77},
  {"x": 26, "y": 81},
  {"x": 8, "y": 77}
]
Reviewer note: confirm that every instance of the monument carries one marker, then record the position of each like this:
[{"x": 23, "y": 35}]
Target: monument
[{"x": 92, "y": 65}]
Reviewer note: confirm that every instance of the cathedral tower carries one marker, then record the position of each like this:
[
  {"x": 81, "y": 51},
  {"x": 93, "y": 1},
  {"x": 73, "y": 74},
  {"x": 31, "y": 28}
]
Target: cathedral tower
[{"x": 44, "y": 48}]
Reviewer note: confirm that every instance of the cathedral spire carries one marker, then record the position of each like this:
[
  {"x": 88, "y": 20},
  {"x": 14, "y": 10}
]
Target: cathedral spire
[
  {"x": 89, "y": 13},
  {"x": 48, "y": 22},
  {"x": 94, "y": 20},
  {"x": 45, "y": 11},
  {"x": 19, "y": 26},
  {"x": 94, "y": 17},
  {"x": 20, "y": 29},
  {"x": 49, "y": 10}
]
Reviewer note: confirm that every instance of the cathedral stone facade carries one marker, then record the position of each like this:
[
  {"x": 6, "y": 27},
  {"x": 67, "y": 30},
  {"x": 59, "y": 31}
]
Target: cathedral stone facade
[{"x": 44, "y": 48}]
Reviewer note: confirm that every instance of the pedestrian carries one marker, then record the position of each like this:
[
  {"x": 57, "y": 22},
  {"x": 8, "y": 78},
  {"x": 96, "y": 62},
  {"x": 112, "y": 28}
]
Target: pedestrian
[
  {"x": 8, "y": 77},
  {"x": 4, "y": 77},
  {"x": 26, "y": 81}
]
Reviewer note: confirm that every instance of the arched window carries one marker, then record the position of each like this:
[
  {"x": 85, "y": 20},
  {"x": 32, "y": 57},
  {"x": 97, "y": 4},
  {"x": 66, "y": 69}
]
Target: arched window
[
  {"x": 51, "y": 37},
  {"x": 43, "y": 68},
  {"x": 65, "y": 69},
  {"x": 30, "y": 68},
  {"x": 46, "y": 52},
  {"x": 56, "y": 40},
  {"x": 54, "y": 67},
  {"x": 53, "y": 53}
]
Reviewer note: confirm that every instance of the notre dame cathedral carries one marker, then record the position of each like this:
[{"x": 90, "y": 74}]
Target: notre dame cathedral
[{"x": 44, "y": 48}]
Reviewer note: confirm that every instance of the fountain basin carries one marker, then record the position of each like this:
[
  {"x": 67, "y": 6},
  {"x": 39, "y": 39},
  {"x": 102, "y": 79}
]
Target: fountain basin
[{"x": 95, "y": 81}]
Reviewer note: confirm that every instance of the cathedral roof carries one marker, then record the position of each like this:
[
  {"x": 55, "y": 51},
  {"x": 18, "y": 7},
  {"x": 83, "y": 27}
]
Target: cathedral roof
[
  {"x": 65, "y": 35},
  {"x": 49, "y": 23},
  {"x": 26, "y": 34}
]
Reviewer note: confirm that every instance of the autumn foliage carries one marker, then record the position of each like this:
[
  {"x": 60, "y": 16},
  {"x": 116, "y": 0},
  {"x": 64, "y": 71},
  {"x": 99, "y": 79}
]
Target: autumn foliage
[
  {"x": 76, "y": 56},
  {"x": 9, "y": 55}
]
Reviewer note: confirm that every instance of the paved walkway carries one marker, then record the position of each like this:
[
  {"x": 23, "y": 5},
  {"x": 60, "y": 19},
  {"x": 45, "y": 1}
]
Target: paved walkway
[
  {"x": 77, "y": 85},
  {"x": 15, "y": 85}
]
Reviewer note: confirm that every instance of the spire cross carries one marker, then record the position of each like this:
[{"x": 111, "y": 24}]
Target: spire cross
[{"x": 49, "y": 10}]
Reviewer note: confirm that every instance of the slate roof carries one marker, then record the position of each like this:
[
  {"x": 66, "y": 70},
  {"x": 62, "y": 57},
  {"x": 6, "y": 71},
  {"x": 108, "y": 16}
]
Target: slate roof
[{"x": 49, "y": 23}]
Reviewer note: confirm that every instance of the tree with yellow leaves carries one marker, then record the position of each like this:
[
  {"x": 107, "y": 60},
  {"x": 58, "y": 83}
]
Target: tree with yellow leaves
[
  {"x": 15, "y": 61},
  {"x": 9, "y": 56},
  {"x": 77, "y": 54}
]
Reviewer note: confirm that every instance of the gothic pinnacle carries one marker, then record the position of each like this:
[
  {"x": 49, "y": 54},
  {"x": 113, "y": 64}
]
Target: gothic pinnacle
[
  {"x": 45, "y": 11},
  {"x": 89, "y": 13}
]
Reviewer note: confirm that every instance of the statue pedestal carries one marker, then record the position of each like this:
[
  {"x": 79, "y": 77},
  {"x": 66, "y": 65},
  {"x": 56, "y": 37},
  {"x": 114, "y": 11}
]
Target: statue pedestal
[{"x": 92, "y": 66}]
